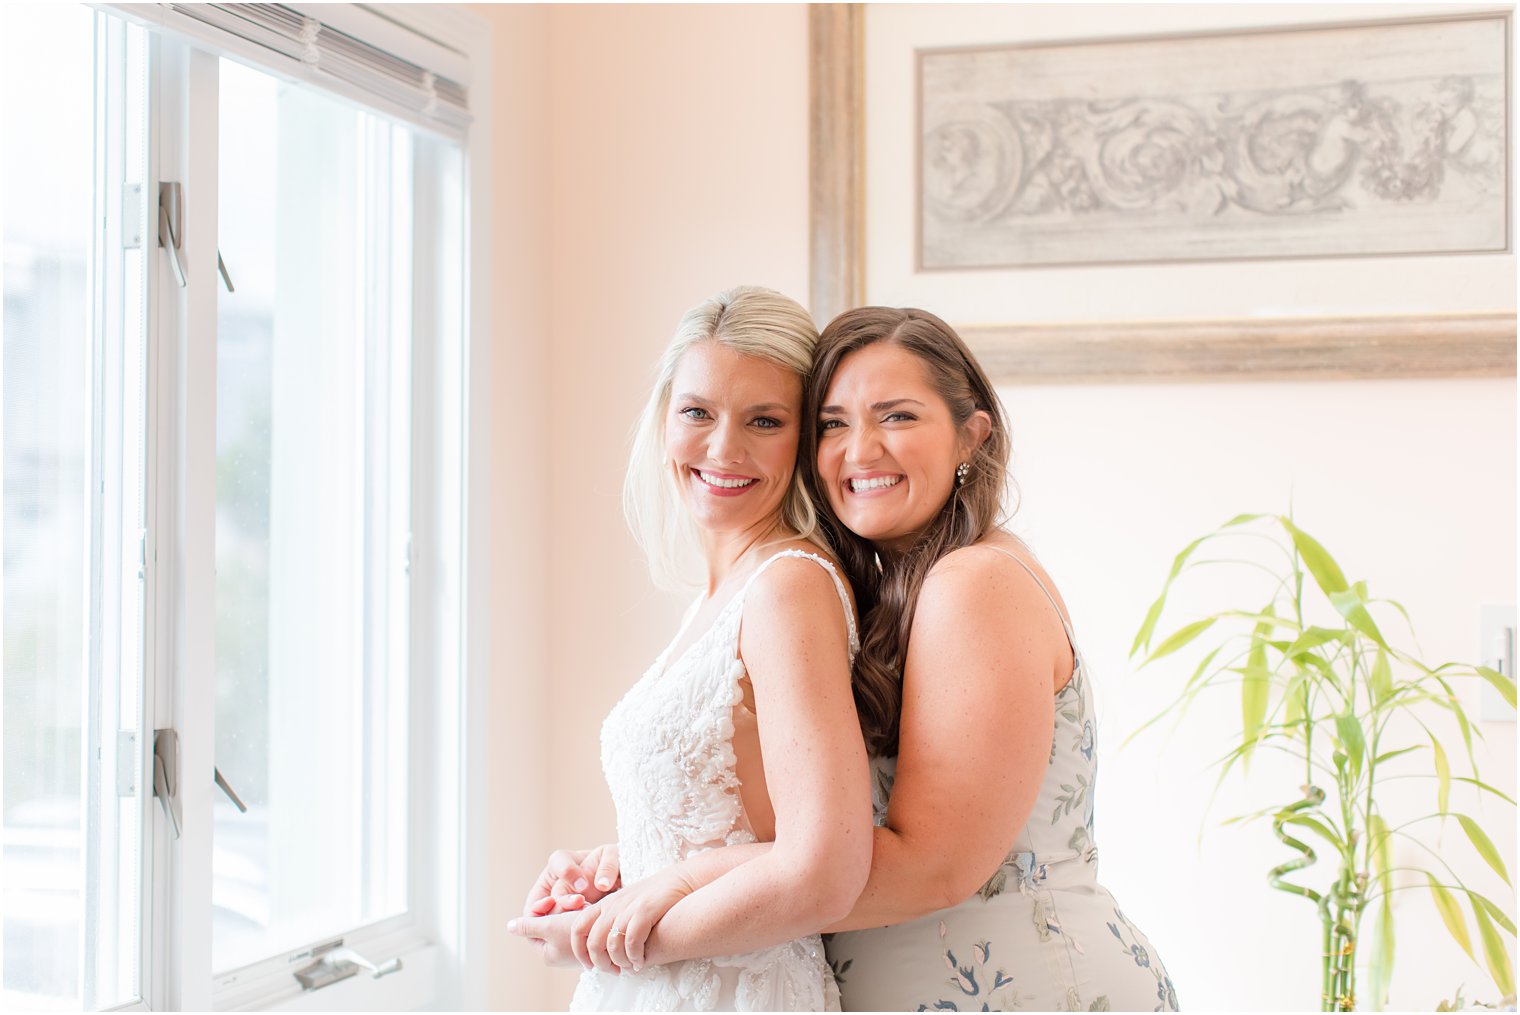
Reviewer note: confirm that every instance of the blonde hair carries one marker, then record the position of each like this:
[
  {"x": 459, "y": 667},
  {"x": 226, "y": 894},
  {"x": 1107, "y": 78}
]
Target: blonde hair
[{"x": 754, "y": 322}]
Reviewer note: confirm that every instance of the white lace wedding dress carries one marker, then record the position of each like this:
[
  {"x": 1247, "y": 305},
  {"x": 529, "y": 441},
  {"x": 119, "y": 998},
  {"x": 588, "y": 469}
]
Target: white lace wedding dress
[{"x": 668, "y": 757}]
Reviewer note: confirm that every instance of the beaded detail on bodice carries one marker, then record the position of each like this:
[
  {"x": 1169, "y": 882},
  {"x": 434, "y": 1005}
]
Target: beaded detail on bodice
[
  {"x": 668, "y": 757},
  {"x": 667, "y": 746}
]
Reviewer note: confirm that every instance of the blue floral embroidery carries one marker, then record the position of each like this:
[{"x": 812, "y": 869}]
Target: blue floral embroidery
[
  {"x": 972, "y": 987},
  {"x": 1045, "y": 859},
  {"x": 1166, "y": 994}
]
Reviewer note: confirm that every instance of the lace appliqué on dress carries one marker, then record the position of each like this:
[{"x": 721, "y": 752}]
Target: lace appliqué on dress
[{"x": 668, "y": 757}]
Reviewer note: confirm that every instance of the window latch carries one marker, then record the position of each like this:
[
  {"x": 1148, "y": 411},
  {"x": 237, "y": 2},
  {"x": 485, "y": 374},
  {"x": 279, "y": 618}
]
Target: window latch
[
  {"x": 171, "y": 210},
  {"x": 166, "y": 775},
  {"x": 335, "y": 963}
]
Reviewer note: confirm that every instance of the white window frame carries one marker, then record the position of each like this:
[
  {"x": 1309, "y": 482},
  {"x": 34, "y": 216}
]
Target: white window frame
[{"x": 438, "y": 938}]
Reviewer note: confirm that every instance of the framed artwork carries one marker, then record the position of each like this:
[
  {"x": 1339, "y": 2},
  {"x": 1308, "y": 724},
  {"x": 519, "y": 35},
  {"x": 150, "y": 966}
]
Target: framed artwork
[{"x": 1158, "y": 160}]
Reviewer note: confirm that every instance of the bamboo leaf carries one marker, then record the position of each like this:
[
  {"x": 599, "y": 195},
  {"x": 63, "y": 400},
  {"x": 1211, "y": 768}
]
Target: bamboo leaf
[
  {"x": 1180, "y": 637},
  {"x": 1380, "y": 841},
  {"x": 1317, "y": 825},
  {"x": 1484, "y": 845},
  {"x": 1493, "y": 951},
  {"x": 1493, "y": 911},
  {"x": 1381, "y": 679},
  {"x": 1504, "y": 685},
  {"x": 1254, "y": 687},
  {"x": 1351, "y": 606},
  {"x": 1297, "y": 698},
  {"x": 1451, "y": 915},
  {"x": 1485, "y": 786},
  {"x": 1327, "y": 573},
  {"x": 1351, "y": 741},
  {"x": 1387, "y": 755},
  {"x": 1443, "y": 777},
  {"x": 1203, "y": 664},
  {"x": 1380, "y": 969},
  {"x": 1314, "y": 637},
  {"x": 1152, "y": 615}
]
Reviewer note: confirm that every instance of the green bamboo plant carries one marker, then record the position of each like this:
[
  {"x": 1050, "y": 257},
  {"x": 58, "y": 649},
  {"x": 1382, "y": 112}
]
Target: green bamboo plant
[{"x": 1356, "y": 712}]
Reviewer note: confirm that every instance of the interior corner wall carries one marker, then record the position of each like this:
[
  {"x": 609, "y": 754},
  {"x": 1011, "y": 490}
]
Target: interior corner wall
[
  {"x": 679, "y": 168},
  {"x": 504, "y": 972}
]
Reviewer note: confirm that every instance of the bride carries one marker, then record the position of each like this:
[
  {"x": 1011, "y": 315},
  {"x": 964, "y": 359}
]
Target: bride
[{"x": 731, "y": 736}]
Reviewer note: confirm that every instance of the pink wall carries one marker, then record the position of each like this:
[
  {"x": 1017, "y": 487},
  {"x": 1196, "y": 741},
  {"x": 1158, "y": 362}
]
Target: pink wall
[{"x": 657, "y": 154}]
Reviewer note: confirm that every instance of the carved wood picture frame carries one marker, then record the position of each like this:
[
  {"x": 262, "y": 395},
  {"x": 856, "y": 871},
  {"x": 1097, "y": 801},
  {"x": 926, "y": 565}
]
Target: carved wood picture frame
[{"x": 1245, "y": 349}]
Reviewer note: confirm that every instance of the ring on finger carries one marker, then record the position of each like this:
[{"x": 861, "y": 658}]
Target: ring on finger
[{"x": 613, "y": 934}]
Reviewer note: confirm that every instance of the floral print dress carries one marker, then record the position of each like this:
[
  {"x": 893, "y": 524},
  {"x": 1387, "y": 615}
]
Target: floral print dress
[{"x": 1041, "y": 934}]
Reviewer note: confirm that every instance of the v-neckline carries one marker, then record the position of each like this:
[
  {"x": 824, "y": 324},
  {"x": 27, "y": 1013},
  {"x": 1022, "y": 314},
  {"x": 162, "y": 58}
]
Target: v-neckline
[{"x": 671, "y": 660}]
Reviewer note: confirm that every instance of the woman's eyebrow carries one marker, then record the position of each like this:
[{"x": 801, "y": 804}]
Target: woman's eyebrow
[{"x": 891, "y": 403}]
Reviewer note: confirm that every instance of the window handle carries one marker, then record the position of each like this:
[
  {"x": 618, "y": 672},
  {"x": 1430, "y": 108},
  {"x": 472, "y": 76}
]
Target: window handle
[
  {"x": 221, "y": 781},
  {"x": 335, "y": 963},
  {"x": 170, "y": 211},
  {"x": 375, "y": 972},
  {"x": 166, "y": 775},
  {"x": 221, "y": 266}
]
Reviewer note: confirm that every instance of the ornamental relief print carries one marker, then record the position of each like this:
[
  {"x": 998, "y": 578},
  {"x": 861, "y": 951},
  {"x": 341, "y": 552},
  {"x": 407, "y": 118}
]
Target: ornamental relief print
[{"x": 1351, "y": 140}]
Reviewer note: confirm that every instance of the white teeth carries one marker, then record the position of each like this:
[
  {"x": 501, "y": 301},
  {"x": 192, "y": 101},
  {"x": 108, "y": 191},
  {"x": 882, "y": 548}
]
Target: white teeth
[
  {"x": 876, "y": 483},
  {"x": 727, "y": 484}
]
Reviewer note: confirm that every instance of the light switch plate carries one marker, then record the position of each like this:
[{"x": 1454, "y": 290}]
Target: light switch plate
[{"x": 1496, "y": 650}]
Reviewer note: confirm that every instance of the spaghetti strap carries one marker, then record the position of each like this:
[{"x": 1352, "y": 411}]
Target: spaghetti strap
[
  {"x": 844, "y": 596},
  {"x": 1071, "y": 639}
]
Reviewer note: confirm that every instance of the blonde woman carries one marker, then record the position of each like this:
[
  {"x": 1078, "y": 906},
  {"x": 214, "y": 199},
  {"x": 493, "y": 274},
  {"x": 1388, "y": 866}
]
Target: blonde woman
[{"x": 733, "y": 735}]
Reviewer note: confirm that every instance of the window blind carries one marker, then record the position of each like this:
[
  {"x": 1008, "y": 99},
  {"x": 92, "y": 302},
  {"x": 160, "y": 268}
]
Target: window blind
[{"x": 356, "y": 51}]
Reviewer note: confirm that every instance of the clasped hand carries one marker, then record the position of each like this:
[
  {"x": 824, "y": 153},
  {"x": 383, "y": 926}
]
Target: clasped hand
[{"x": 578, "y": 913}]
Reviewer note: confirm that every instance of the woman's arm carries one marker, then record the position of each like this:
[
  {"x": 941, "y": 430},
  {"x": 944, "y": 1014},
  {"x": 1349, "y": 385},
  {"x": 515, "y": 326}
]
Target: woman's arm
[
  {"x": 794, "y": 646},
  {"x": 986, "y": 656},
  {"x": 985, "y": 660}
]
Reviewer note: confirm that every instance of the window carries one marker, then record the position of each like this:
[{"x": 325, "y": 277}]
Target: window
[
  {"x": 236, "y": 503},
  {"x": 74, "y": 800}
]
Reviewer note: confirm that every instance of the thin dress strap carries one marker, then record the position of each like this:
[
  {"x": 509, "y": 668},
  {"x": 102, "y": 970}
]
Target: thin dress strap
[
  {"x": 844, "y": 596},
  {"x": 1065, "y": 624}
]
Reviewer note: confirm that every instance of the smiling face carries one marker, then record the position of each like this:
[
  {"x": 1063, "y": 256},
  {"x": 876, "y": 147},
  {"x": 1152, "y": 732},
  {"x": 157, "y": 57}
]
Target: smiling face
[
  {"x": 731, "y": 435},
  {"x": 888, "y": 445}
]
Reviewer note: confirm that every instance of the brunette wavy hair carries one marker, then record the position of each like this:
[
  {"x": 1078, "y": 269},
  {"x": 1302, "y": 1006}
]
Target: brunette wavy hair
[{"x": 887, "y": 584}]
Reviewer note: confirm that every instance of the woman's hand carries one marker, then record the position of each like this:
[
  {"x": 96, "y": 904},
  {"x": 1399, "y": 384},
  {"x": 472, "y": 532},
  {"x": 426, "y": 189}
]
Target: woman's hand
[
  {"x": 611, "y": 935},
  {"x": 573, "y": 878},
  {"x": 551, "y": 934}
]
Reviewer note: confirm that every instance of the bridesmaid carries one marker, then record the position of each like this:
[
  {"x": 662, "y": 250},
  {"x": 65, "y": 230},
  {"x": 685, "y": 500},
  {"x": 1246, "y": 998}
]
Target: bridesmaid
[{"x": 975, "y": 701}]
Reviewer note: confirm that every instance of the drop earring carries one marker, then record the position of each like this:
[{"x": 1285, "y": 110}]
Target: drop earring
[{"x": 961, "y": 472}]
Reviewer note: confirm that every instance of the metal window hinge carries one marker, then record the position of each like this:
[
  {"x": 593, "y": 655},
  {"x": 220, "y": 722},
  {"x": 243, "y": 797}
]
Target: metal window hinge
[
  {"x": 126, "y": 763},
  {"x": 335, "y": 963},
  {"x": 131, "y": 216},
  {"x": 166, "y": 775}
]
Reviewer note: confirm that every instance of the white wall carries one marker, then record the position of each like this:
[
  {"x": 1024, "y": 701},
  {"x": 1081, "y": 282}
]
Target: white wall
[
  {"x": 648, "y": 156},
  {"x": 1411, "y": 484}
]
